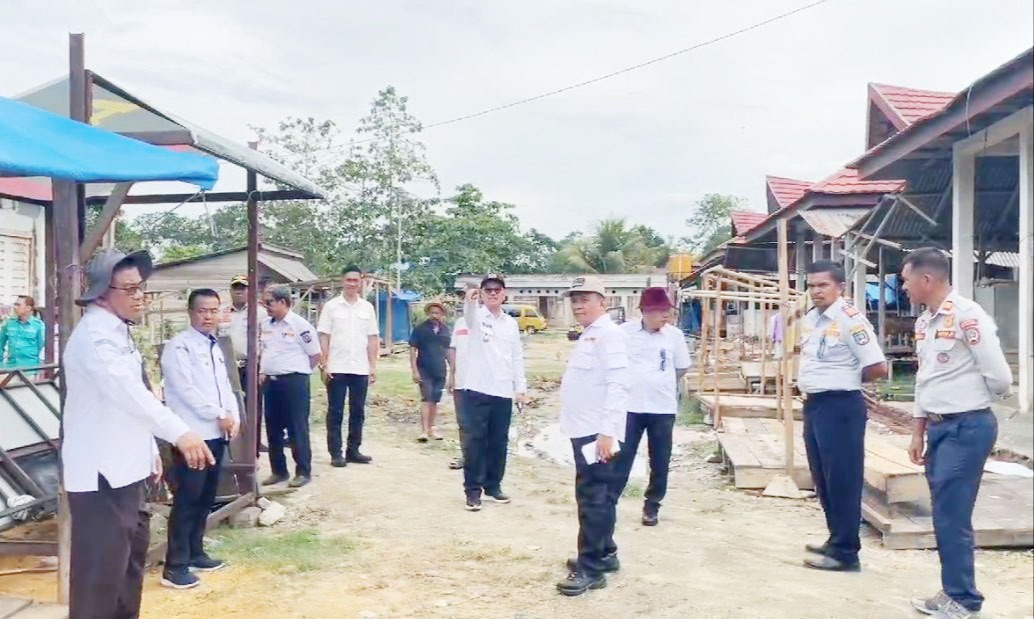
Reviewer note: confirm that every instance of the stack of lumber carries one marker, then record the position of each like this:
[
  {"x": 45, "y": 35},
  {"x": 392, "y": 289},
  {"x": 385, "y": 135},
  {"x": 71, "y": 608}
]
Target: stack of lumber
[{"x": 745, "y": 405}]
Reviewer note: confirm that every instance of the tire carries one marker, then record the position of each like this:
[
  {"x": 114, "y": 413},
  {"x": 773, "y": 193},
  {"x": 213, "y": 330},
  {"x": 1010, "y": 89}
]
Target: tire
[{"x": 530, "y": 330}]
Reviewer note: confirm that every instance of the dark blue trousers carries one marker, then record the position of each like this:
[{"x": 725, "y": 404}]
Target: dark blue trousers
[
  {"x": 596, "y": 490},
  {"x": 485, "y": 436},
  {"x": 956, "y": 451},
  {"x": 287, "y": 409},
  {"x": 834, "y": 437},
  {"x": 658, "y": 429}
]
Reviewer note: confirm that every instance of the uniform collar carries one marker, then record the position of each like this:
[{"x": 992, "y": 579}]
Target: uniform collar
[
  {"x": 106, "y": 317},
  {"x": 604, "y": 319},
  {"x": 207, "y": 337},
  {"x": 833, "y": 309},
  {"x": 286, "y": 317},
  {"x": 948, "y": 305}
]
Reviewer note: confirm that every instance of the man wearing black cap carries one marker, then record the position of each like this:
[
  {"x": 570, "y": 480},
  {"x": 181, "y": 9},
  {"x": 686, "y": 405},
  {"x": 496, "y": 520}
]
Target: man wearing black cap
[
  {"x": 494, "y": 379},
  {"x": 108, "y": 450},
  {"x": 235, "y": 324},
  {"x": 428, "y": 349}
]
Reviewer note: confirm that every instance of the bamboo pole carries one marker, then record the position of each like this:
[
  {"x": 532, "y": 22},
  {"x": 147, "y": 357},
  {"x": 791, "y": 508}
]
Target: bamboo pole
[
  {"x": 764, "y": 348},
  {"x": 785, "y": 401},
  {"x": 718, "y": 314},
  {"x": 702, "y": 347}
]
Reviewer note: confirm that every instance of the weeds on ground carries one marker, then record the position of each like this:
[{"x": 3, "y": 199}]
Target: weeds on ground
[
  {"x": 304, "y": 550},
  {"x": 632, "y": 491},
  {"x": 690, "y": 413}
]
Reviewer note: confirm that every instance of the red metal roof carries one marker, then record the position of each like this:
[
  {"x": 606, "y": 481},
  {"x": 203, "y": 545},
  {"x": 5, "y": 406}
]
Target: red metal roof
[
  {"x": 32, "y": 189},
  {"x": 846, "y": 181},
  {"x": 744, "y": 221},
  {"x": 911, "y": 104},
  {"x": 786, "y": 190}
]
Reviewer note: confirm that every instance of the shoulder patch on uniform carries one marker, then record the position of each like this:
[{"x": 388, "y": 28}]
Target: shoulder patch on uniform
[
  {"x": 972, "y": 335},
  {"x": 306, "y": 336},
  {"x": 948, "y": 306},
  {"x": 857, "y": 328},
  {"x": 851, "y": 311},
  {"x": 969, "y": 324},
  {"x": 861, "y": 337}
]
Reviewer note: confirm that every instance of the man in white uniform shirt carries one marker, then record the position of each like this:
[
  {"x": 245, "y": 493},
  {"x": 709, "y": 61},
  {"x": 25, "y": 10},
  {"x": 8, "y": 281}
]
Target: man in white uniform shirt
[
  {"x": 198, "y": 389},
  {"x": 494, "y": 379},
  {"x": 658, "y": 357},
  {"x": 349, "y": 339},
  {"x": 110, "y": 420},
  {"x": 290, "y": 351},
  {"x": 962, "y": 370},
  {"x": 456, "y": 383},
  {"x": 593, "y": 412}
]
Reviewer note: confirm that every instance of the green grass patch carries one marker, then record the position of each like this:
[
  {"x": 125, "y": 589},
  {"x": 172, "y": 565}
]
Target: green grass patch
[
  {"x": 304, "y": 550},
  {"x": 632, "y": 491},
  {"x": 690, "y": 413},
  {"x": 902, "y": 387}
]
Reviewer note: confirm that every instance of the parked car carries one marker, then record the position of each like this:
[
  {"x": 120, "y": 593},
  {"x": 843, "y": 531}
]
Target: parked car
[
  {"x": 617, "y": 314},
  {"x": 529, "y": 320}
]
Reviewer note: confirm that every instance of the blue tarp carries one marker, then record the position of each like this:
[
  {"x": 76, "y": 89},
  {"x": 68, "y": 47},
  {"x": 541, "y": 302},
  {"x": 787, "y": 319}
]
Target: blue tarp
[
  {"x": 890, "y": 292},
  {"x": 34, "y": 142}
]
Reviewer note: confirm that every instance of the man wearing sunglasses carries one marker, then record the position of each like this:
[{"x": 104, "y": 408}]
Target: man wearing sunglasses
[
  {"x": 657, "y": 357},
  {"x": 839, "y": 351},
  {"x": 494, "y": 378}
]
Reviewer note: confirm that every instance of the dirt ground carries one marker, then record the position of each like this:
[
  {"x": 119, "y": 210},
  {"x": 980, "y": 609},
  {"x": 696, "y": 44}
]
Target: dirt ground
[{"x": 406, "y": 548}]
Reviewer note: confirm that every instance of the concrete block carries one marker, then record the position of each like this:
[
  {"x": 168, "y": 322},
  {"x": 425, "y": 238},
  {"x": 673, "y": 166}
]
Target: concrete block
[
  {"x": 246, "y": 518},
  {"x": 272, "y": 514}
]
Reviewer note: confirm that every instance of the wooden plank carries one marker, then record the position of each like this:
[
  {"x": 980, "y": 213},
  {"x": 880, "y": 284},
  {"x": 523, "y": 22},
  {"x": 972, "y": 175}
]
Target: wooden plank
[
  {"x": 888, "y": 469},
  {"x": 9, "y": 606},
  {"x": 43, "y": 611}
]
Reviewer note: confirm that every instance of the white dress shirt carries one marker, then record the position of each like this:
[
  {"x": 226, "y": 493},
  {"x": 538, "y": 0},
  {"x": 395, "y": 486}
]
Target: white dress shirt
[
  {"x": 349, "y": 326},
  {"x": 460, "y": 336},
  {"x": 110, "y": 417},
  {"x": 961, "y": 363},
  {"x": 237, "y": 328},
  {"x": 495, "y": 354},
  {"x": 594, "y": 389},
  {"x": 835, "y": 345},
  {"x": 288, "y": 345},
  {"x": 653, "y": 359},
  {"x": 197, "y": 386}
]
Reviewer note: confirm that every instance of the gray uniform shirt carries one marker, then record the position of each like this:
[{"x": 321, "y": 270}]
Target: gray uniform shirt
[
  {"x": 835, "y": 345},
  {"x": 961, "y": 363}
]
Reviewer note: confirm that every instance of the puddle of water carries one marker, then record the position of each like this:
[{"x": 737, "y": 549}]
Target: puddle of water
[{"x": 551, "y": 445}]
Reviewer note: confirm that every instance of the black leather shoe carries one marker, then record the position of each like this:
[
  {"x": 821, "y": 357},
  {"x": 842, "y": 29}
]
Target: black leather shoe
[
  {"x": 829, "y": 564},
  {"x": 650, "y": 518},
  {"x": 579, "y": 582},
  {"x": 358, "y": 458},
  {"x": 818, "y": 549},
  {"x": 610, "y": 564},
  {"x": 299, "y": 481},
  {"x": 338, "y": 462},
  {"x": 274, "y": 479}
]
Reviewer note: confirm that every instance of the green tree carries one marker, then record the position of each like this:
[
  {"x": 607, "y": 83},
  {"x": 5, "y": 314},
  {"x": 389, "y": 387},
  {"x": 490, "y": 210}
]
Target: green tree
[
  {"x": 710, "y": 222},
  {"x": 613, "y": 247}
]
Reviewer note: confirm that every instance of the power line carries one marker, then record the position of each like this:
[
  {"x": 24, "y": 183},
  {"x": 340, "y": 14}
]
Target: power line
[{"x": 600, "y": 78}]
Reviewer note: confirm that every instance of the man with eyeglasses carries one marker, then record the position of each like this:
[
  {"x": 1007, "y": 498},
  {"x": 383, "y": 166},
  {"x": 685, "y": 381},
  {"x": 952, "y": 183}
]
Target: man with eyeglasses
[
  {"x": 839, "y": 352},
  {"x": 290, "y": 351},
  {"x": 198, "y": 389},
  {"x": 493, "y": 379},
  {"x": 658, "y": 356},
  {"x": 108, "y": 449}
]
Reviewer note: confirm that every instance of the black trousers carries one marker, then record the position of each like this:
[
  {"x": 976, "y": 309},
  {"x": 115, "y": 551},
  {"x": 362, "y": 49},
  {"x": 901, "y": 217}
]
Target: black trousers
[
  {"x": 485, "y": 435},
  {"x": 243, "y": 371},
  {"x": 596, "y": 490},
  {"x": 110, "y": 533},
  {"x": 287, "y": 408},
  {"x": 354, "y": 386},
  {"x": 458, "y": 398},
  {"x": 193, "y": 494},
  {"x": 658, "y": 429},
  {"x": 834, "y": 438}
]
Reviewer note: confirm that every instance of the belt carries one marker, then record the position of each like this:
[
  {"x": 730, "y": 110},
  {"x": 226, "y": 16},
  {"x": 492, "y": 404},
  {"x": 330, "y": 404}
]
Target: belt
[
  {"x": 276, "y": 377},
  {"x": 938, "y": 418}
]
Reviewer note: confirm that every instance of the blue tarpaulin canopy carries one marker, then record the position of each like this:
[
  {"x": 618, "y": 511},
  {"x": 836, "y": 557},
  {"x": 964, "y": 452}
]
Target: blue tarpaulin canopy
[{"x": 34, "y": 142}]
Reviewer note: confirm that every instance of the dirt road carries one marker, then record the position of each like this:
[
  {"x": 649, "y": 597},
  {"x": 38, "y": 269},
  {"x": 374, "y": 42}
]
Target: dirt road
[{"x": 392, "y": 540}]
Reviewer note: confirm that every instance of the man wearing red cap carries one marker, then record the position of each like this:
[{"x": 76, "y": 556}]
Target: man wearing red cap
[{"x": 658, "y": 357}]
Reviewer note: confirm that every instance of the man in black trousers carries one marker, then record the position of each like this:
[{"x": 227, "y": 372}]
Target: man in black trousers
[
  {"x": 108, "y": 450},
  {"x": 198, "y": 389}
]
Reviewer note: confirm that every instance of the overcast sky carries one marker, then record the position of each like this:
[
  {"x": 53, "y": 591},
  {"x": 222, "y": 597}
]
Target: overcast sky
[{"x": 786, "y": 99}]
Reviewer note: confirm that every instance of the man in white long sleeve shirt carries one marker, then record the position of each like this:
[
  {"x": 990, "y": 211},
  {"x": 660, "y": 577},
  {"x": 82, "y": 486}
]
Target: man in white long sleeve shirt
[
  {"x": 198, "y": 389},
  {"x": 962, "y": 370},
  {"x": 108, "y": 450},
  {"x": 593, "y": 406},
  {"x": 494, "y": 378}
]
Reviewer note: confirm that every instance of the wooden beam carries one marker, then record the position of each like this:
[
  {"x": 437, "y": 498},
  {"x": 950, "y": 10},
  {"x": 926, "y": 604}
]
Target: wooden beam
[
  {"x": 785, "y": 396},
  {"x": 881, "y": 302},
  {"x": 918, "y": 211},
  {"x": 962, "y": 202},
  {"x": 174, "y": 137},
  {"x": 1008, "y": 127},
  {"x": 251, "y": 371},
  {"x": 719, "y": 313},
  {"x": 1026, "y": 250},
  {"x": 217, "y": 196},
  {"x": 112, "y": 206}
]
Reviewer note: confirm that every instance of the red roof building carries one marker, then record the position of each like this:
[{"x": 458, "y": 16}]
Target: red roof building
[
  {"x": 744, "y": 221},
  {"x": 782, "y": 192},
  {"x": 846, "y": 181},
  {"x": 892, "y": 108}
]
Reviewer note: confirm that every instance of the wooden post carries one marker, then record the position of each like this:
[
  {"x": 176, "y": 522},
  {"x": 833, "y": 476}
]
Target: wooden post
[
  {"x": 962, "y": 198},
  {"x": 719, "y": 313},
  {"x": 785, "y": 396},
  {"x": 251, "y": 368},
  {"x": 66, "y": 218},
  {"x": 705, "y": 305},
  {"x": 1026, "y": 249},
  {"x": 764, "y": 348},
  {"x": 881, "y": 302}
]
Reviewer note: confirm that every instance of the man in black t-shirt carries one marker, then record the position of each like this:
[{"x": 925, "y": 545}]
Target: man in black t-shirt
[{"x": 428, "y": 348}]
